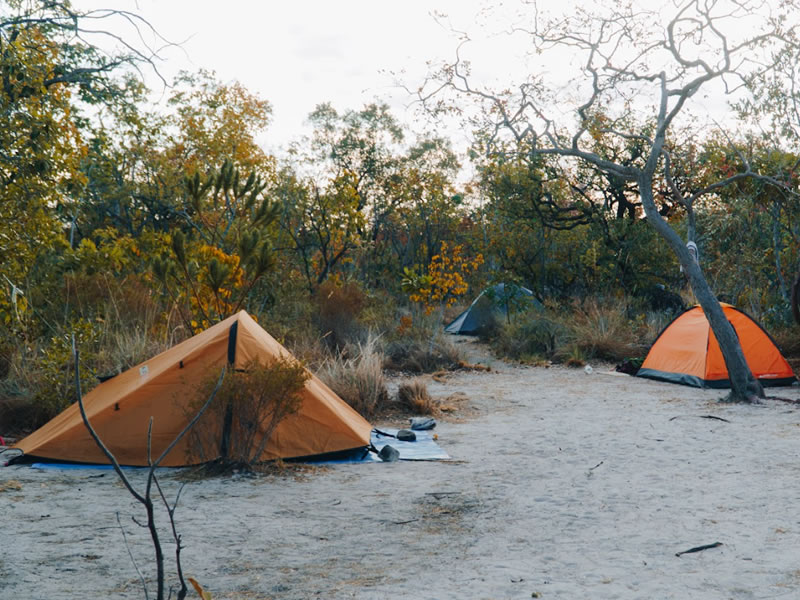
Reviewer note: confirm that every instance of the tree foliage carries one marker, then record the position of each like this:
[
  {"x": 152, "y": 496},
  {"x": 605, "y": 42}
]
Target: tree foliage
[
  {"x": 50, "y": 67},
  {"x": 212, "y": 269}
]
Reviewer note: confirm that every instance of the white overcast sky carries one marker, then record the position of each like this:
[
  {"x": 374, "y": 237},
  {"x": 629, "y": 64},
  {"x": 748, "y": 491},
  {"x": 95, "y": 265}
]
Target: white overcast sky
[{"x": 299, "y": 53}]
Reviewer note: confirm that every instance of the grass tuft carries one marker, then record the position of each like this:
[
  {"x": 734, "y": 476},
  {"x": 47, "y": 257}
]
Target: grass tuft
[
  {"x": 359, "y": 380},
  {"x": 415, "y": 397},
  {"x": 603, "y": 331}
]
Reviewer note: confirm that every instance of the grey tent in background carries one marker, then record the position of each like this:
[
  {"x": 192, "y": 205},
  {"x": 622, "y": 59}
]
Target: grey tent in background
[{"x": 492, "y": 304}]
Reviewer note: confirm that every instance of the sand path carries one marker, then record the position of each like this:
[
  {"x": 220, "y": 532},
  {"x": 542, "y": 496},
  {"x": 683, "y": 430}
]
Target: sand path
[{"x": 563, "y": 484}]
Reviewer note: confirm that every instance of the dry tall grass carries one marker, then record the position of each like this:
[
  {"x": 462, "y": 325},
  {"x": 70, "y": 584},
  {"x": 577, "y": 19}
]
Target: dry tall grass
[
  {"x": 419, "y": 345},
  {"x": 604, "y": 330},
  {"x": 788, "y": 341},
  {"x": 359, "y": 380},
  {"x": 414, "y": 396},
  {"x": 423, "y": 355},
  {"x": 591, "y": 329},
  {"x": 125, "y": 327},
  {"x": 536, "y": 336}
]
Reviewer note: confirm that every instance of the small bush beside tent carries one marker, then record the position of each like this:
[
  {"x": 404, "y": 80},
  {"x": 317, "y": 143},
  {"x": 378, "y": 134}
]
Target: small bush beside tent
[{"x": 687, "y": 352}]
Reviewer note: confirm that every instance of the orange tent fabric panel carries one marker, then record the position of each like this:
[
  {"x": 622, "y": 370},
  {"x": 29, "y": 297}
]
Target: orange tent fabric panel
[
  {"x": 166, "y": 388},
  {"x": 762, "y": 355},
  {"x": 681, "y": 348},
  {"x": 688, "y": 352}
]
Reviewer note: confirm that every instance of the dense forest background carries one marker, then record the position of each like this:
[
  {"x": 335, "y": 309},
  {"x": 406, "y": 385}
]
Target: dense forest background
[{"x": 134, "y": 227}]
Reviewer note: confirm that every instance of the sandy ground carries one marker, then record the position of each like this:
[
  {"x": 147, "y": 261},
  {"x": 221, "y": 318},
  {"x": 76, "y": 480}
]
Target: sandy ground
[{"x": 563, "y": 484}]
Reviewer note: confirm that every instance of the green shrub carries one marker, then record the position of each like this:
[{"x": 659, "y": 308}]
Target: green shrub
[
  {"x": 533, "y": 337},
  {"x": 380, "y": 313},
  {"x": 52, "y": 385},
  {"x": 18, "y": 413},
  {"x": 419, "y": 345},
  {"x": 237, "y": 426},
  {"x": 338, "y": 309}
]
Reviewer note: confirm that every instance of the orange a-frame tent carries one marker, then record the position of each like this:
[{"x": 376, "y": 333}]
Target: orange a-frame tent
[
  {"x": 166, "y": 388},
  {"x": 687, "y": 352}
]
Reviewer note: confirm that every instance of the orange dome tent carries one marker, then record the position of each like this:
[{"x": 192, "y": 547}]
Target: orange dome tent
[
  {"x": 687, "y": 352},
  {"x": 166, "y": 388}
]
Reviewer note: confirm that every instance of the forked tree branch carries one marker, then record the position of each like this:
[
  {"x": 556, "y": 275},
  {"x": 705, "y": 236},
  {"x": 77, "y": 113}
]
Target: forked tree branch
[
  {"x": 133, "y": 560},
  {"x": 146, "y": 498}
]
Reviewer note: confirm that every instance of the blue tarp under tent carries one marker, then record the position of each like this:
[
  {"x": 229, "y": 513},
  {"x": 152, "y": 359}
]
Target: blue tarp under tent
[{"x": 424, "y": 448}]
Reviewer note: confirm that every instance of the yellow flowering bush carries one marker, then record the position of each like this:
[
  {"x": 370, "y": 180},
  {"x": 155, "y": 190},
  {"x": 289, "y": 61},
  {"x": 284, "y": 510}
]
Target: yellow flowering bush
[{"x": 445, "y": 281}]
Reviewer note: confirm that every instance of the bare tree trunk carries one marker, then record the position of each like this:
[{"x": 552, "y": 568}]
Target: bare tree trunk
[
  {"x": 777, "y": 246},
  {"x": 796, "y": 299},
  {"x": 744, "y": 387}
]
